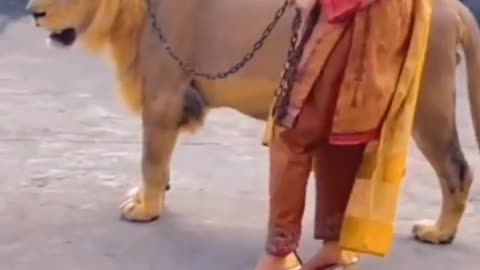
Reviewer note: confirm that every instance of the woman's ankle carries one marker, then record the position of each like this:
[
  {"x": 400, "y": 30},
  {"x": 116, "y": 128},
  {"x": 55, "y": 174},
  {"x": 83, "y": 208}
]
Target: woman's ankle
[{"x": 330, "y": 254}]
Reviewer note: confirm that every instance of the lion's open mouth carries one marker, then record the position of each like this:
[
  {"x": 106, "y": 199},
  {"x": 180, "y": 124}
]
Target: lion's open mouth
[{"x": 65, "y": 37}]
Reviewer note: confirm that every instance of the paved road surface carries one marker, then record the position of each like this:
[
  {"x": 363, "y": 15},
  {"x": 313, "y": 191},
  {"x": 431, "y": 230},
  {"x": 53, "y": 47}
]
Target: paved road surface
[{"x": 68, "y": 152}]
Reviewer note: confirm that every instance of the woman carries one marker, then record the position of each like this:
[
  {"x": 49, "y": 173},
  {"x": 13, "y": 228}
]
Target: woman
[{"x": 355, "y": 86}]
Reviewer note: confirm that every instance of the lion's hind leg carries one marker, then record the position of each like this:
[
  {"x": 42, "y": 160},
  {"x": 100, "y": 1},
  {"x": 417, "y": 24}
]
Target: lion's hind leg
[{"x": 436, "y": 135}]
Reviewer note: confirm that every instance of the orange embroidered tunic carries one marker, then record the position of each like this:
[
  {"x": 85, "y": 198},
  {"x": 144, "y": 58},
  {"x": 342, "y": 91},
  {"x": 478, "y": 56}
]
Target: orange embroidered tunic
[{"x": 372, "y": 66}]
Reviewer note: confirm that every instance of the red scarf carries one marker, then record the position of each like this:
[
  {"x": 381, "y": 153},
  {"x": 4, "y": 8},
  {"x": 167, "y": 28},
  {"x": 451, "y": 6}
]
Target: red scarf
[{"x": 337, "y": 10}]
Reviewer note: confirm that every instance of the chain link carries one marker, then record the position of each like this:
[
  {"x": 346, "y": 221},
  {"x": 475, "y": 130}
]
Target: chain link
[
  {"x": 232, "y": 70},
  {"x": 289, "y": 72}
]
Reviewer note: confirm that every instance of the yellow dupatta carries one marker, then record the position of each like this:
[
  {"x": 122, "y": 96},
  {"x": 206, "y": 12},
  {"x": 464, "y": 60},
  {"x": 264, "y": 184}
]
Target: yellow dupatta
[{"x": 370, "y": 217}]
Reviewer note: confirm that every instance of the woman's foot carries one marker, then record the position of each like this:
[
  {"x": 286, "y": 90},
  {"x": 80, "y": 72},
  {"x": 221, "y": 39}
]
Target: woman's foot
[
  {"x": 329, "y": 256},
  {"x": 289, "y": 262}
]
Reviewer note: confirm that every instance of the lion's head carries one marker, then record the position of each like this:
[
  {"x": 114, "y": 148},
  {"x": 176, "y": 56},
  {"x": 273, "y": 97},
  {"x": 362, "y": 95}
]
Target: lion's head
[
  {"x": 68, "y": 20},
  {"x": 112, "y": 24}
]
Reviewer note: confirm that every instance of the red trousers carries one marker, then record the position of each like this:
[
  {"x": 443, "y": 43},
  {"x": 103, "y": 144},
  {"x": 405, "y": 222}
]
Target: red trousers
[{"x": 296, "y": 151}]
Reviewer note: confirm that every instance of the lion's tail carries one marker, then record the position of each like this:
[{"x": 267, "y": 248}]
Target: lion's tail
[{"x": 470, "y": 40}]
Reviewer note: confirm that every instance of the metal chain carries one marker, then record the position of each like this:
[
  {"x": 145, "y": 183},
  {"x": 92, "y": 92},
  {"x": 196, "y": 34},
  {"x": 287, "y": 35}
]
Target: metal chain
[
  {"x": 232, "y": 70},
  {"x": 289, "y": 72}
]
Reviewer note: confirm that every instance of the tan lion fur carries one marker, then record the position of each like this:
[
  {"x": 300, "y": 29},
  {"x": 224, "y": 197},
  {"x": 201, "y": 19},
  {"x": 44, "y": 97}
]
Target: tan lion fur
[{"x": 115, "y": 31}]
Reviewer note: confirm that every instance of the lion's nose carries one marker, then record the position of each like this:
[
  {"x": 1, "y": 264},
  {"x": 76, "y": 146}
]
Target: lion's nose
[{"x": 38, "y": 15}]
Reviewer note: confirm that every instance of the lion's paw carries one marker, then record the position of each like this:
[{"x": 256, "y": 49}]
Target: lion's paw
[
  {"x": 429, "y": 232},
  {"x": 136, "y": 208}
]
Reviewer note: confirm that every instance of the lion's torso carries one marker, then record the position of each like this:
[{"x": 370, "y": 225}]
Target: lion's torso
[{"x": 199, "y": 38}]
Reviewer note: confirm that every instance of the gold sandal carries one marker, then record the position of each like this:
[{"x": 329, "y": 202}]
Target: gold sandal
[
  {"x": 297, "y": 265},
  {"x": 299, "y": 260}
]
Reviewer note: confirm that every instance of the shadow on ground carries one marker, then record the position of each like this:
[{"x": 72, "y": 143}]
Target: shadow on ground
[{"x": 11, "y": 10}]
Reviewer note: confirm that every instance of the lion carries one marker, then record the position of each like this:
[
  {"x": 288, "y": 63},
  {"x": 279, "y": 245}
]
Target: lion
[{"x": 170, "y": 101}]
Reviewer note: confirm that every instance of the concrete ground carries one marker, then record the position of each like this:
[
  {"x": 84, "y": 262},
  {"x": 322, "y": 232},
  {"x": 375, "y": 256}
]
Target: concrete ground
[{"x": 68, "y": 152}]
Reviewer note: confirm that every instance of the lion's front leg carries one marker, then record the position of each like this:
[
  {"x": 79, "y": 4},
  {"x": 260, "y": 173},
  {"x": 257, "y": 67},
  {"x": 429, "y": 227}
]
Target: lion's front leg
[
  {"x": 161, "y": 117},
  {"x": 146, "y": 202}
]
